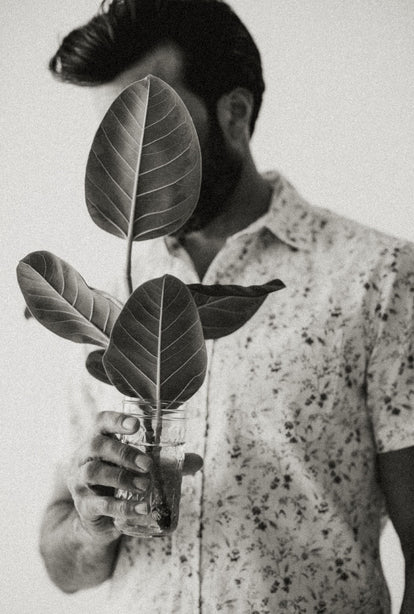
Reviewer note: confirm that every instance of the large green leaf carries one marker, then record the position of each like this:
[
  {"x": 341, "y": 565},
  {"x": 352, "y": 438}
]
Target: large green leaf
[
  {"x": 94, "y": 365},
  {"x": 144, "y": 169},
  {"x": 157, "y": 349},
  {"x": 225, "y": 308},
  {"x": 60, "y": 299}
]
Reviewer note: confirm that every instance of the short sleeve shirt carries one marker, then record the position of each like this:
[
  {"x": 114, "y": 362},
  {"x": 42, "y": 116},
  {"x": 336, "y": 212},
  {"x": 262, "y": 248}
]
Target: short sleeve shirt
[{"x": 286, "y": 514}]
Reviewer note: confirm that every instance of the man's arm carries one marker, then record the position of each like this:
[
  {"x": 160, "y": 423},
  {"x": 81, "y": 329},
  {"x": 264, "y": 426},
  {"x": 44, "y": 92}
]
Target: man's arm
[
  {"x": 397, "y": 479},
  {"x": 79, "y": 541},
  {"x": 74, "y": 559}
]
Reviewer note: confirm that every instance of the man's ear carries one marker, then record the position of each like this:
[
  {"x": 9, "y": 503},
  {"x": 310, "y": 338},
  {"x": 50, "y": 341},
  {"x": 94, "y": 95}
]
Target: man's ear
[{"x": 234, "y": 111}]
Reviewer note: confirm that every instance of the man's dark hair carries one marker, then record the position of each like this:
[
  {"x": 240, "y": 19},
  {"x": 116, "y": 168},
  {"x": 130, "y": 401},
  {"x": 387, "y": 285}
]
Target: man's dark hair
[{"x": 219, "y": 53}]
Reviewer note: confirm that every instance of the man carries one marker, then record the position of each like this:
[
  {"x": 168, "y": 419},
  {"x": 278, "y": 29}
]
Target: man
[{"x": 305, "y": 422}]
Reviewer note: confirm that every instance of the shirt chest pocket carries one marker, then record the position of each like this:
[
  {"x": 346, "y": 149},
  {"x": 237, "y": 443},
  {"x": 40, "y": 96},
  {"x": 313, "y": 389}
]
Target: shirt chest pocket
[
  {"x": 300, "y": 383},
  {"x": 295, "y": 368},
  {"x": 311, "y": 361},
  {"x": 267, "y": 377}
]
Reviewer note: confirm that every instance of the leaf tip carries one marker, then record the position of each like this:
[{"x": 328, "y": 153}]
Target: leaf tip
[{"x": 278, "y": 284}]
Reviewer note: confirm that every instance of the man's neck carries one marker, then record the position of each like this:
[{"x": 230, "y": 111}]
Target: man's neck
[{"x": 249, "y": 201}]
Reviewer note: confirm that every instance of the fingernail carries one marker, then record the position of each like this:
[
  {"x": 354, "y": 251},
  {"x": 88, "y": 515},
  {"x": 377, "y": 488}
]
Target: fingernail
[
  {"x": 140, "y": 484},
  {"x": 141, "y": 508},
  {"x": 129, "y": 423},
  {"x": 143, "y": 462}
]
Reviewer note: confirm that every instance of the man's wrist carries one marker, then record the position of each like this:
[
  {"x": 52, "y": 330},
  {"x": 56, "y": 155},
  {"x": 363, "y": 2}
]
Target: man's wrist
[{"x": 103, "y": 539}]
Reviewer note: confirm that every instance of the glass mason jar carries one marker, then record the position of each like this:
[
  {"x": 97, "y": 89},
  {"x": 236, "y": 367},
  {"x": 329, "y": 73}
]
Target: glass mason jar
[{"x": 161, "y": 436}]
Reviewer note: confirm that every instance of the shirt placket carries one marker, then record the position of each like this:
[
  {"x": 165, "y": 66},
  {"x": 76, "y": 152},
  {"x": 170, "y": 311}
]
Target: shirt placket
[
  {"x": 221, "y": 270},
  {"x": 189, "y": 537}
]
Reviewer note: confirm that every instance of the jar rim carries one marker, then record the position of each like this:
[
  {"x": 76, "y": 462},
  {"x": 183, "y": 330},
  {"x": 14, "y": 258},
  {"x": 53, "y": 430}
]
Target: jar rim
[{"x": 164, "y": 404}]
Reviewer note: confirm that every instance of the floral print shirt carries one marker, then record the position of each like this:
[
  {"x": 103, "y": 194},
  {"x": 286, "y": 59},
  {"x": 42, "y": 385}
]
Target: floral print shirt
[{"x": 286, "y": 514}]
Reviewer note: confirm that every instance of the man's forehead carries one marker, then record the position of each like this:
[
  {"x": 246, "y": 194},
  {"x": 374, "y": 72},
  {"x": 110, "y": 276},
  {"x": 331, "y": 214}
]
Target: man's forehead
[{"x": 165, "y": 62}]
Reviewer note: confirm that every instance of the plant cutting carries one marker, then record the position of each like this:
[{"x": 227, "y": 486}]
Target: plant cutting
[{"x": 143, "y": 179}]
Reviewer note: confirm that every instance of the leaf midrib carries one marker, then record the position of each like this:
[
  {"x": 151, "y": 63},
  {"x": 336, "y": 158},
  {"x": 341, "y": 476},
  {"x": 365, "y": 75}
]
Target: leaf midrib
[
  {"x": 159, "y": 343},
  {"x": 137, "y": 167}
]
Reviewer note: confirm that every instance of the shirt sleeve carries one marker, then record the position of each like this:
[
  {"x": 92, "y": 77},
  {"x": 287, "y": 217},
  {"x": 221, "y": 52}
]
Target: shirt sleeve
[{"x": 390, "y": 374}]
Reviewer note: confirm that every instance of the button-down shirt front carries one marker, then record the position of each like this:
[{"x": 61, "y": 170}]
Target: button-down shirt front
[{"x": 285, "y": 515}]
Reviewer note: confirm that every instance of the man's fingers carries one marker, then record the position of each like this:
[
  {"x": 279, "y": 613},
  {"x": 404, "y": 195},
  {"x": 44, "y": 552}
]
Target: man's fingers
[
  {"x": 97, "y": 473},
  {"x": 93, "y": 506},
  {"x": 110, "y": 422},
  {"x": 112, "y": 450},
  {"x": 192, "y": 464}
]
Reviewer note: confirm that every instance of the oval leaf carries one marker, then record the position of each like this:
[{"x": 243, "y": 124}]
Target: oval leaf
[
  {"x": 60, "y": 299},
  {"x": 225, "y": 308},
  {"x": 157, "y": 349},
  {"x": 95, "y": 366},
  {"x": 143, "y": 173},
  {"x": 111, "y": 298}
]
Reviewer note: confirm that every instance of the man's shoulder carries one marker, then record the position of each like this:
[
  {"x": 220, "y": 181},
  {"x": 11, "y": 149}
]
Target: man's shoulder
[
  {"x": 320, "y": 230},
  {"x": 350, "y": 238}
]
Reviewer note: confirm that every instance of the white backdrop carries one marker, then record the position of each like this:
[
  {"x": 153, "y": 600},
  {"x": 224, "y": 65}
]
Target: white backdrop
[{"x": 337, "y": 120}]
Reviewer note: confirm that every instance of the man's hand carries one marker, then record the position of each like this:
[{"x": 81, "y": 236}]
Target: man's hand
[
  {"x": 79, "y": 541},
  {"x": 101, "y": 465}
]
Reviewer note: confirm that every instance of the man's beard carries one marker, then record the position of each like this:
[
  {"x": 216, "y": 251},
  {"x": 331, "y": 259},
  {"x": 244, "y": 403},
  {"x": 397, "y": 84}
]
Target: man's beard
[{"x": 222, "y": 169}]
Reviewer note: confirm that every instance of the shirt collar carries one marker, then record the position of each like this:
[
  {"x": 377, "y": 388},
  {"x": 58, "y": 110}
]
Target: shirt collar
[{"x": 289, "y": 217}]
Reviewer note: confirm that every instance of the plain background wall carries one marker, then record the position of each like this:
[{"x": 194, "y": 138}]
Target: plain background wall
[{"x": 337, "y": 120}]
